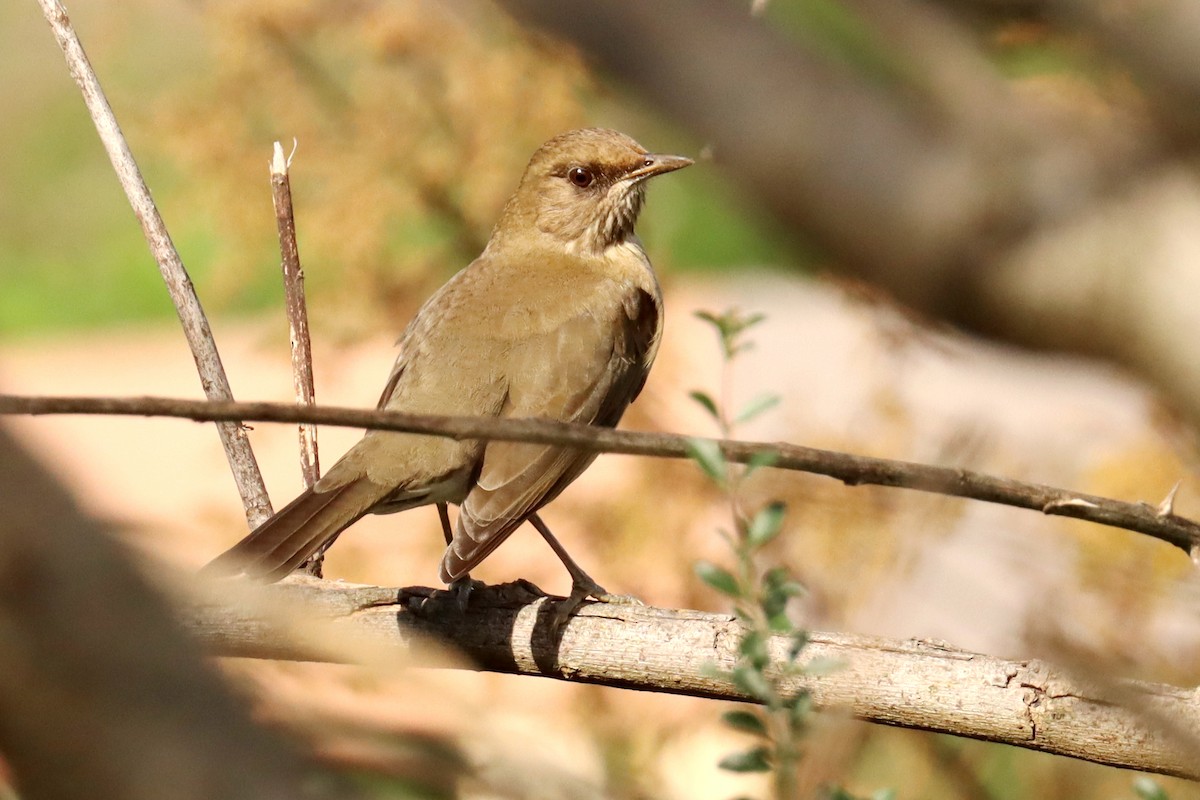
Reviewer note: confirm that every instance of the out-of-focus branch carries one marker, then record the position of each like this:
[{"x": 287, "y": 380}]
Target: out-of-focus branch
[
  {"x": 1157, "y": 39},
  {"x": 902, "y": 189},
  {"x": 183, "y": 294},
  {"x": 913, "y": 684},
  {"x": 100, "y": 693},
  {"x": 1160, "y": 523},
  {"x": 964, "y": 198}
]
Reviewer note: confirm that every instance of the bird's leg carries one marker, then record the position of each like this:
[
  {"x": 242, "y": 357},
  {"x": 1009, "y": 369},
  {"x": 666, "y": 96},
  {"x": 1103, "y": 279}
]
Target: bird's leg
[
  {"x": 462, "y": 587},
  {"x": 582, "y": 585},
  {"x": 444, "y": 516}
]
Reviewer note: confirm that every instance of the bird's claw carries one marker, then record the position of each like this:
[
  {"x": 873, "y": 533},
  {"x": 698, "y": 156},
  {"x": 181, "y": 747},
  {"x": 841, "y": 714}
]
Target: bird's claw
[
  {"x": 618, "y": 599},
  {"x": 580, "y": 592},
  {"x": 462, "y": 589},
  {"x": 459, "y": 592}
]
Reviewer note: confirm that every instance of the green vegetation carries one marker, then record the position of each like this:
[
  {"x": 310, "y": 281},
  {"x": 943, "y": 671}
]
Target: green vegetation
[
  {"x": 760, "y": 594},
  {"x": 201, "y": 112}
]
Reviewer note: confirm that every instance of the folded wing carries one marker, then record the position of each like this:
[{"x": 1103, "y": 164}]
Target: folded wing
[{"x": 587, "y": 370}]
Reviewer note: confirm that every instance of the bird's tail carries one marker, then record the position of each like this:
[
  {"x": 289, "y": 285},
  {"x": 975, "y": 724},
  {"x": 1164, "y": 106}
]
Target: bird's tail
[{"x": 297, "y": 531}]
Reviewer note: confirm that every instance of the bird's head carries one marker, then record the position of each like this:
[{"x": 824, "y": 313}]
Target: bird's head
[{"x": 585, "y": 188}]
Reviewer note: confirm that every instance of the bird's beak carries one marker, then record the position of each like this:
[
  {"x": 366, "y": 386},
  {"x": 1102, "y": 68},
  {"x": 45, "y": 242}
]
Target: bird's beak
[{"x": 657, "y": 164}]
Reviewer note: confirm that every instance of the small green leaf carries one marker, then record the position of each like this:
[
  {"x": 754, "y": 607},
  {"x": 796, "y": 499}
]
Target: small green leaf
[
  {"x": 752, "y": 682},
  {"x": 756, "y": 759},
  {"x": 800, "y": 705},
  {"x": 774, "y": 605},
  {"x": 766, "y": 524},
  {"x": 763, "y": 458},
  {"x": 707, "y": 453},
  {"x": 799, "y": 642},
  {"x": 1148, "y": 789},
  {"x": 773, "y": 602},
  {"x": 746, "y": 721},
  {"x": 705, "y": 399},
  {"x": 750, "y": 321},
  {"x": 718, "y": 578},
  {"x": 757, "y": 406},
  {"x": 727, "y": 537},
  {"x": 823, "y": 665},
  {"x": 779, "y": 622},
  {"x": 778, "y": 588},
  {"x": 753, "y": 648},
  {"x": 780, "y": 580}
]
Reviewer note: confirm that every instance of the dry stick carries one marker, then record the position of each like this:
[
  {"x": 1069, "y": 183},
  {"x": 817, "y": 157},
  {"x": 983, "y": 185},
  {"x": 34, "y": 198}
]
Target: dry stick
[
  {"x": 297, "y": 312},
  {"x": 297, "y": 315},
  {"x": 913, "y": 684},
  {"x": 195, "y": 325},
  {"x": 1159, "y": 523}
]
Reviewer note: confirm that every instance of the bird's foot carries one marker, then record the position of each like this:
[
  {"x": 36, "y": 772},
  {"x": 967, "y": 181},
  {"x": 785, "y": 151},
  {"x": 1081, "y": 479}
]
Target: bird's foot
[
  {"x": 618, "y": 599},
  {"x": 520, "y": 591},
  {"x": 459, "y": 593},
  {"x": 462, "y": 589},
  {"x": 581, "y": 590}
]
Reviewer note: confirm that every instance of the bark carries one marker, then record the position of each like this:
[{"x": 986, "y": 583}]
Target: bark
[{"x": 915, "y": 684}]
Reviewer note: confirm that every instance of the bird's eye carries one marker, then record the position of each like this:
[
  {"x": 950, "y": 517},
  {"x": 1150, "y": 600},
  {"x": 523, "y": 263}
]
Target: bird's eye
[{"x": 580, "y": 177}]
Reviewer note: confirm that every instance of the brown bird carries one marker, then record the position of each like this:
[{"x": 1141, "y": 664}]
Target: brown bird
[{"x": 559, "y": 318}]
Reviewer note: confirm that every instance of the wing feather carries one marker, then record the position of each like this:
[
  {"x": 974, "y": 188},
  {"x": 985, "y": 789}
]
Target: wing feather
[{"x": 587, "y": 370}]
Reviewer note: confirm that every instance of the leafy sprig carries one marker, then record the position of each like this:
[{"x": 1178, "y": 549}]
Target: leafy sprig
[{"x": 760, "y": 595}]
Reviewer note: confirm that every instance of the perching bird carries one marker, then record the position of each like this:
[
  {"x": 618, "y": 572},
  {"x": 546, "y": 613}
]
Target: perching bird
[{"x": 559, "y": 318}]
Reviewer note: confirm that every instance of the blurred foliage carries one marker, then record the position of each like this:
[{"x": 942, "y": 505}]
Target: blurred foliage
[{"x": 413, "y": 119}]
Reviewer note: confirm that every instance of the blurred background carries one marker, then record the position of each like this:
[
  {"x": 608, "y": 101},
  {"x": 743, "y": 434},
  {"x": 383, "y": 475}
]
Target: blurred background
[{"x": 973, "y": 227}]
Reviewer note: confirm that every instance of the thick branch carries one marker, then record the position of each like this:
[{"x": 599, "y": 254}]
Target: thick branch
[
  {"x": 851, "y": 469},
  {"x": 1157, "y": 41},
  {"x": 912, "y": 684},
  {"x": 195, "y": 324},
  {"x": 101, "y": 694}
]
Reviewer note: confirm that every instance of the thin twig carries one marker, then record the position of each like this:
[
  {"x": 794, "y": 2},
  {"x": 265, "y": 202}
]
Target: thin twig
[
  {"x": 851, "y": 469},
  {"x": 195, "y": 325},
  {"x": 297, "y": 315},
  {"x": 297, "y": 312}
]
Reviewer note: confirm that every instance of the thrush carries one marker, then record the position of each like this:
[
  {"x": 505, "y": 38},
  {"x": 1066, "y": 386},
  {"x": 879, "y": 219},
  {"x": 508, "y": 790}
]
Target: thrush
[{"x": 558, "y": 318}]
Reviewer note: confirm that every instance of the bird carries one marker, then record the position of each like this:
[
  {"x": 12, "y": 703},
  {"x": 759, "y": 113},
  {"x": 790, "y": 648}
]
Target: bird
[{"x": 559, "y": 318}]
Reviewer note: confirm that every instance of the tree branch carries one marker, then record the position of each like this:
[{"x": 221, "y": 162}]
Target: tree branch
[
  {"x": 99, "y": 688},
  {"x": 853, "y": 470},
  {"x": 915, "y": 684},
  {"x": 183, "y": 294}
]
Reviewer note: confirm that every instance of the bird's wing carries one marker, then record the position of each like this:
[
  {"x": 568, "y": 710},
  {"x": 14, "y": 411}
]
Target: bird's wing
[{"x": 586, "y": 370}]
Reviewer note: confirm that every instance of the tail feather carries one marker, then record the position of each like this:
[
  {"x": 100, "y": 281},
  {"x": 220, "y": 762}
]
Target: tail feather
[{"x": 297, "y": 531}]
